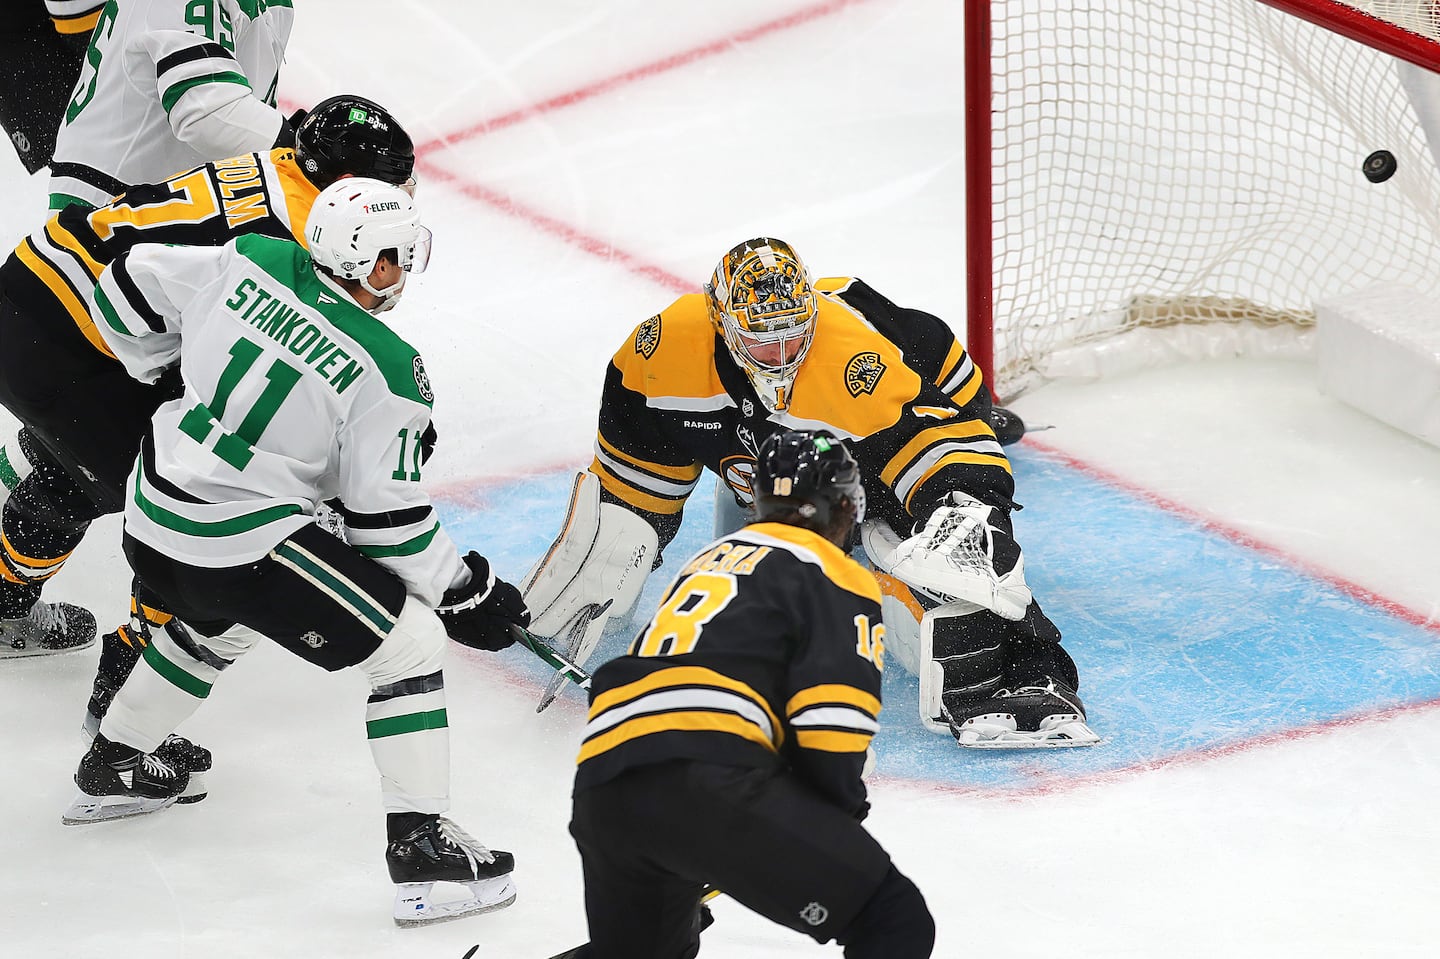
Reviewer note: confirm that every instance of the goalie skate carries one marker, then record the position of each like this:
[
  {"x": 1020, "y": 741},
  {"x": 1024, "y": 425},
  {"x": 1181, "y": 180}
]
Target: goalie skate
[
  {"x": 1031, "y": 717},
  {"x": 440, "y": 851}
]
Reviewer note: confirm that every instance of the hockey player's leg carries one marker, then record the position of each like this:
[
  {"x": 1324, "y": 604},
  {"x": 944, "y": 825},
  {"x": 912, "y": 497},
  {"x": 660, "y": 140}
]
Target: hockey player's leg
[
  {"x": 15, "y": 462},
  {"x": 409, "y": 740},
  {"x": 1035, "y": 703},
  {"x": 120, "y": 650},
  {"x": 177, "y": 672},
  {"x": 894, "y": 924},
  {"x": 40, "y": 524}
]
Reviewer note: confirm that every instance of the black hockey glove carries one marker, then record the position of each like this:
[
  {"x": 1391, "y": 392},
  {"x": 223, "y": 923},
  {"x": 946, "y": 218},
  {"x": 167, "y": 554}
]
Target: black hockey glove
[
  {"x": 427, "y": 443},
  {"x": 480, "y": 613},
  {"x": 288, "y": 126}
]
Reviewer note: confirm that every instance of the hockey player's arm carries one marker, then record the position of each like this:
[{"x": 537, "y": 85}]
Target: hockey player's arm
[
  {"x": 207, "y": 97},
  {"x": 833, "y": 704},
  {"x": 74, "y": 17},
  {"x": 139, "y": 302},
  {"x": 934, "y": 447},
  {"x": 387, "y": 515},
  {"x": 637, "y": 464}
]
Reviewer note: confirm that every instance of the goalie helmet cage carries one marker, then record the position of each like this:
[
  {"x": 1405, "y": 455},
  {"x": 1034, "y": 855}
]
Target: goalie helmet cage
[{"x": 1158, "y": 178}]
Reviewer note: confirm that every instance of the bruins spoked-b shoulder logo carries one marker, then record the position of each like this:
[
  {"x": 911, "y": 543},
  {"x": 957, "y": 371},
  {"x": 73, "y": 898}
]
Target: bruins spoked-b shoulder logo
[
  {"x": 647, "y": 337},
  {"x": 422, "y": 381},
  {"x": 863, "y": 372}
]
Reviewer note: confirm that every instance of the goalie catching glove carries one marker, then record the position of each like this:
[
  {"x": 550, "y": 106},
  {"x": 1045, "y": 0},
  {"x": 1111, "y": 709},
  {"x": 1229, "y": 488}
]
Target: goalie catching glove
[
  {"x": 480, "y": 614},
  {"x": 963, "y": 553}
]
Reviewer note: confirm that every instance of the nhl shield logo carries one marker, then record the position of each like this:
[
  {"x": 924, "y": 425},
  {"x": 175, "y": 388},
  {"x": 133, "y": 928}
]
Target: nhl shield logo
[
  {"x": 647, "y": 337},
  {"x": 747, "y": 408},
  {"x": 422, "y": 381},
  {"x": 863, "y": 372},
  {"x": 814, "y": 914}
]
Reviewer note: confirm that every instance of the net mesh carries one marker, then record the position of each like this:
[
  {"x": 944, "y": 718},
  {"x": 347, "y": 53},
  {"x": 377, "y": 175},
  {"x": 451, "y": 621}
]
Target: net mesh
[{"x": 1161, "y": 164}]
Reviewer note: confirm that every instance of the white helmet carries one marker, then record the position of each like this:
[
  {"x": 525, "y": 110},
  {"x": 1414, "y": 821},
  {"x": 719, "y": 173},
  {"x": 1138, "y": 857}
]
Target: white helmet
[
  {"x": 354, "y": 220},
  {"x": 761, "y": 301}
]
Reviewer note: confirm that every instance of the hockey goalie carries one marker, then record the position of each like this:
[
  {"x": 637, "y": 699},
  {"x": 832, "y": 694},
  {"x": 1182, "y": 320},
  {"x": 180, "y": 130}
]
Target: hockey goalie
[{"x": 765, "y": 349}]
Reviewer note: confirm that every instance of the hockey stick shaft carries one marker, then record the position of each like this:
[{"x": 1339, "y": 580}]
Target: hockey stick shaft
[
  {"x": 710, "y": 893},
  {"x": 552, "y": 657}
]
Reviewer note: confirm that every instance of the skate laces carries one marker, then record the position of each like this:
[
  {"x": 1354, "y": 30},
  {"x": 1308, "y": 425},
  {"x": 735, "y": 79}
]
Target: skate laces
[
  {"x": 457, "y": 838},
  {"x": 156, "y": 767},
  {"x": 46, "y": 616}
]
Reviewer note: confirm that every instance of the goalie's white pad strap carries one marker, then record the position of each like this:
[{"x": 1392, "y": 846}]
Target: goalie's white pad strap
[{"x": 602, "y": 556}]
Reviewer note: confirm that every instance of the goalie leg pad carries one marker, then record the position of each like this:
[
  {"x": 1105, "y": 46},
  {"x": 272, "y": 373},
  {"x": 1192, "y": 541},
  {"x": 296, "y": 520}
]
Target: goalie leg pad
[
  {"x": 594, "y": 570},
  {"x": 963, "y": 654}
]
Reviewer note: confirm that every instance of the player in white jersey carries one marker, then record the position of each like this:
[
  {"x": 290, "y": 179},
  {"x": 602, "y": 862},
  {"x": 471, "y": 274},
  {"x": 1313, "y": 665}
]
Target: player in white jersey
[
  {"x": 168, "y": 85},
  {"x": 295, "y": 393}
]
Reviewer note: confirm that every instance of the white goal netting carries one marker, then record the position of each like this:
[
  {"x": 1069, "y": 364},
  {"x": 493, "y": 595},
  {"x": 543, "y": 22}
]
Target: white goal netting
[{"x": 1172, "y": 175}]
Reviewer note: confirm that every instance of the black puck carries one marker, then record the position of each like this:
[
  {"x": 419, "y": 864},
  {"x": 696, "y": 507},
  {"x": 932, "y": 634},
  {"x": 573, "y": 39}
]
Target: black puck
[{"x": 1379, "y": 166}]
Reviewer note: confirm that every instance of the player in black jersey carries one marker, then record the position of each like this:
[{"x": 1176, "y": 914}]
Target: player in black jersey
[
  {"x": 41, "y": 50},
  {"x": 725, "y": 749},
  {"x": 82, "y": 415},
  {"x": 763, "y": 349}
]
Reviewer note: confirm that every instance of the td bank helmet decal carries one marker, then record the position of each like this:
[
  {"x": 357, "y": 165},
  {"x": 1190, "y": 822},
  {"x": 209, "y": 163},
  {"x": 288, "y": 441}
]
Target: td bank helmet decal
[{"x": 863, "y": 373}]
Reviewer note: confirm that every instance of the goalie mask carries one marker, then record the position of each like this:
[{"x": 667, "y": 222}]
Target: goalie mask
[
  {"x": 809, "y": 473},
  {"x": 762, "y": 303},
  {"x": 354, "y": 221}
]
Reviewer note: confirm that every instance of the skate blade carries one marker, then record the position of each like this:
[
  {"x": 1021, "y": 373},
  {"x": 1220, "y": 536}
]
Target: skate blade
[
  {"x": 10, "y": 652},
  {"x": 1053, "y": 734},
  {"x": 414, "y": 908},
  {"x": 88, "y": 809}
]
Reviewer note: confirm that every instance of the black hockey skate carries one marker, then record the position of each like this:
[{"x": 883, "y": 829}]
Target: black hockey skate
[
  {"x": 1045, "y": 715},
  {"x": 437, "y": 850},
  {"x": 47, "y": 628},
  {"x": 117, "y": 781}
]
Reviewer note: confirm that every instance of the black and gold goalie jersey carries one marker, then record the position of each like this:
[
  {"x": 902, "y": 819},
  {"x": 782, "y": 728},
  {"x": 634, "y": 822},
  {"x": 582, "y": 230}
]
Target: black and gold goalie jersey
[
  {"x": 767, "y": 649},
  {"x": 51, "y": 275},
  {"x": 893, "y": 383}
]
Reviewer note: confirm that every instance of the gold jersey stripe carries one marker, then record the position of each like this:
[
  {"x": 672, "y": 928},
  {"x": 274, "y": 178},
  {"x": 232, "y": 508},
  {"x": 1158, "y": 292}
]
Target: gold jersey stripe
[
  {"x": 832, "y": 741},
  {"x": 681, "y": 474},
  {"x": 81, "y": 24},
  {"x": 966, "y": 430},
  {"x": 894, "y": 588},
  {"x": 977, "y": 459},
  {"x": 833, "y": 693},
  {"x": 839, "y": 568},
  {"x": 57, "y": 285},
  {"x": 679, "y": 676},
  {"x": 299, "y": 192},
  {"x": 679, "y": 721},
  {"x": 66, "y": 240},
  {"x": 629, "y": 494}
]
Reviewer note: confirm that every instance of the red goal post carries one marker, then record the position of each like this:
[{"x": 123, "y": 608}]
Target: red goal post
[{"x": 1151, "y": 178}]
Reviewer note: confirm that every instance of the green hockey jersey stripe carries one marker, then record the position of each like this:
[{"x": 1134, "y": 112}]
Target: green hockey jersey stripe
[
  {"x": 216, "y": 529},
  {"x": 174, "y": 93},
  {"x": 410, "y": 547}
]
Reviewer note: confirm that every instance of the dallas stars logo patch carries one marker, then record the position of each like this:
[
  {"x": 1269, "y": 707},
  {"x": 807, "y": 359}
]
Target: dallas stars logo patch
[
  {"x": 422, "y": 381},
  {"x": 863, "y": 373},
  {"x": 647, "y": 337}
]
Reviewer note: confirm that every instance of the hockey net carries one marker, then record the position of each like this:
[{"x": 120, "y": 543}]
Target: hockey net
[{"x": 1169, "y": 177}]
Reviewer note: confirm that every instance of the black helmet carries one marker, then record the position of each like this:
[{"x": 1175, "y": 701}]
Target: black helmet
[
  {"x": 350, "y": 134},
  {"x": 809, "y": 474}
]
